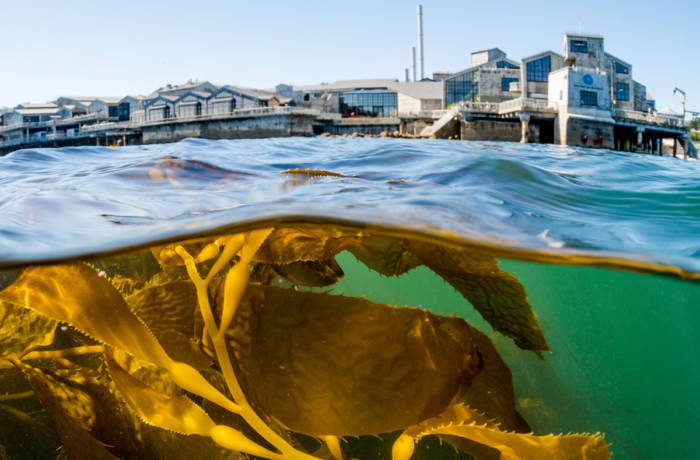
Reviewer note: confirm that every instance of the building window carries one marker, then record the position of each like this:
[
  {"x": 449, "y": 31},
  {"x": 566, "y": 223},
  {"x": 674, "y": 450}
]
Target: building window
[
  {"x": 589, "y": 98},
  {"x": 622, "y": 91},
  {"x": 538, "y": 70},
  {"x": 578, "y": 46},
  {"x": 232, "y": 106},
  {"x": 112, "y": 111},
  {"x": 166, "y": 112},
  {"x": 198, "y": 109},
  {"x": 459, "y": 88},
  {"x": 124, "y": 111},
  {"x": 506, "y": 65},
  {"x": 505, "y": 83},
  {"x": 621, "y": 68},
  {"x": 368, "y": 103}
]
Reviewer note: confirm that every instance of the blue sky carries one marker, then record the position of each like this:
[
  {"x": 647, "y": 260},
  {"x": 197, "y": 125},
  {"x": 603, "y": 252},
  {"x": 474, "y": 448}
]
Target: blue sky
[{"x": 99, "y": 48}]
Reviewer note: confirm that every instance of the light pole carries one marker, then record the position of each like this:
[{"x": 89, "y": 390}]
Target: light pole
[{"x": 677, "y": 90}]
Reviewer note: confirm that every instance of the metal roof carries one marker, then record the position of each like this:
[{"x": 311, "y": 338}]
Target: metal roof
[
  {"x": 340, "y": 85},
  {"x": 38, "y": 111}
]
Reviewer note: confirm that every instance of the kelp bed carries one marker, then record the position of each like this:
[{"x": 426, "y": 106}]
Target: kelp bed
[{"x": 231, "y": 347}]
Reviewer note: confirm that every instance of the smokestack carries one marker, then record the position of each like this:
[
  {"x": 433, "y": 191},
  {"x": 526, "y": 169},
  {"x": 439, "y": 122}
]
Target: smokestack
[
  {"x": 413, "y": 62},
  {"x": 420, "y": 41},
  {"x": 408, "y": 76}
]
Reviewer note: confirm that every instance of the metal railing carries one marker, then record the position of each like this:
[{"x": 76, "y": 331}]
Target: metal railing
[
  {"x": 433, "y": 114},
  {"x": 652, "y": 118}
]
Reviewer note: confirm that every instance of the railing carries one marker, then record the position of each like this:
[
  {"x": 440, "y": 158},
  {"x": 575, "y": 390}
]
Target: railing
[
  {"x": 107, "y": 126},
  {"x": 653, "y": 118},
  {"x": 80, "y": 119},
  {"x": 432, "y": 114},
  {"x": 12, "y": 127},
  {"x": 368, "y": 121}
]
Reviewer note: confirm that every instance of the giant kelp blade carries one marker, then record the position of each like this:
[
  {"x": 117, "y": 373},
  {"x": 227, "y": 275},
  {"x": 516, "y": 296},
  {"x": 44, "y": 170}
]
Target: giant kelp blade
[
  {"x": 162, "y": 444},
  {"x": 169, "y": 309},
  {"x": 311, "y": 273},
  {"x": 303, "y": 243},
  {"x": 76, "y": 294},
  {"x": 70, "y": 425},
  {"x": 385, "y": 255},
  {"x": 463, "y": 422},
  {"x": 498, "y": 297},
  {"x": 22, "y": 329},
  {"x": 347, "y": 366},
  {"x": 491, "y": 391},
  {"x": 174, "y": 413}
]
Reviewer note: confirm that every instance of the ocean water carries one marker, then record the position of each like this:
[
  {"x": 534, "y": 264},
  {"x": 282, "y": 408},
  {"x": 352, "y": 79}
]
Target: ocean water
[{"x": 603, "y": 246}]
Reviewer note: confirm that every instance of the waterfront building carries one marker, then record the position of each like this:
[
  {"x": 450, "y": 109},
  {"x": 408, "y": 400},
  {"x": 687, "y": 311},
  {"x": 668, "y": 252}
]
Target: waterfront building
[{"x": 492, "y": 77}]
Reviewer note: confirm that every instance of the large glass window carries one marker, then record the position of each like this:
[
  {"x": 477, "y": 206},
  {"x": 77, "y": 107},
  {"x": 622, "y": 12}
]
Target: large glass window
[
  {"x": 578, "y": 46},
  {"x": 506, "y": 65},
  {"x": 368, "y": 103},
  {"x": 462, "y": 87},
  {"x": 112, "y": 111},
  {"x": 589, "y": 98},
  {"x": 622, "y": 91},
  {"x": 538, "y": 70},
  {"x": 124, "y": 111},
  {"x": 621, "y": 68},
  {"x": 505, "y": 83}
]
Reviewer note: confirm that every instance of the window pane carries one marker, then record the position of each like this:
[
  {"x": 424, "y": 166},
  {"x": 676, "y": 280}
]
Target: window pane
[
  {"x": 589, "y": 98},
  {"x": 539, "y": 70},
  {"x": 579, "y": 46},
  {"x": 622, "y": 92}
]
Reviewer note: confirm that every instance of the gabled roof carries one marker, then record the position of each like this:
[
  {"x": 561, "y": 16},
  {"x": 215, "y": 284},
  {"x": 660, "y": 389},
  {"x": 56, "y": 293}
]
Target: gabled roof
[
  {"x": 251, "y": 93},
  {"x": 165, "y": 98},
  {"x": 489, "y": 49},
  {"x": 542, "y": 54}
]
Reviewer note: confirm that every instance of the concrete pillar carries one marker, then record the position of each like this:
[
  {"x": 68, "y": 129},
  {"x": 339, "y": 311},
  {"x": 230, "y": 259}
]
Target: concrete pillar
[
  {"x": 524, "y": 128},
  {"x": 675, "y": 146},
  {"x": 640, "y": 139},
  {"x": 685, "y": 142}
]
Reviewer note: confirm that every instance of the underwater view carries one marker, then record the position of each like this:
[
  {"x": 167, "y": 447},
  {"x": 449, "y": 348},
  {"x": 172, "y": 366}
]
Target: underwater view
[{"x": 341, "y": 298}]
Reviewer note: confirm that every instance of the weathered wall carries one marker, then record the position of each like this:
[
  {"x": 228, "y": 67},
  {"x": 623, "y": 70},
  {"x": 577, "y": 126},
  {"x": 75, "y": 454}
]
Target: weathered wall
[
  {"x": 491, "y": 130},
  {"x": 490, "y": 89},
  {"x": 588, "y": 133}
]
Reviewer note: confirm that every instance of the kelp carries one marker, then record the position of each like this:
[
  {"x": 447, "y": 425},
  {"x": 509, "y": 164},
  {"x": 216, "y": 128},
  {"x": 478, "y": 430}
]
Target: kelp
[{"x": 208, "y": 348}]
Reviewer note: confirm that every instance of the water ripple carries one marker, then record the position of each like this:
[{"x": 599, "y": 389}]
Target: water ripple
[{"x": 77, "y": 200}]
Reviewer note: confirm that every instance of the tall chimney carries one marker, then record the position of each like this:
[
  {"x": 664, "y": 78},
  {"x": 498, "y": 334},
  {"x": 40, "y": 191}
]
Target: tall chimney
[
  {"x": 420, "y": 41},
  {"x": 408, "y": 76},
  {"x": 413, "y": 61}
]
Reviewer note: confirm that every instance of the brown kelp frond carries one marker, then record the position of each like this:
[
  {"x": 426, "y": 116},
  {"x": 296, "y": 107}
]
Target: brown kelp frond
[
  {"x": 499, "y": 297},
  {"x": 460, "y": 421},
  {"x": 22, "y": 330},
  {"x": 349, "y": 366},
  {"x": 312, "y": 172},
  {"x": 178, "y": 414},
  {"x": 72, "y": 414}
]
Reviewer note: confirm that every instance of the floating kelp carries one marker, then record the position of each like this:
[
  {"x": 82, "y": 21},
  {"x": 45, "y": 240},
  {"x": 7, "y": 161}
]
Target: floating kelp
[{"x": 228, "y": 345}]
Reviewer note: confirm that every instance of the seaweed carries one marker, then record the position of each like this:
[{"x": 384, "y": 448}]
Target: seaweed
[{"x": 192, "y": 349}]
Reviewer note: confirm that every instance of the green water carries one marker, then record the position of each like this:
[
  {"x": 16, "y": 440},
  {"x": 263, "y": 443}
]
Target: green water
[{"x": 624, "y": 357}]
